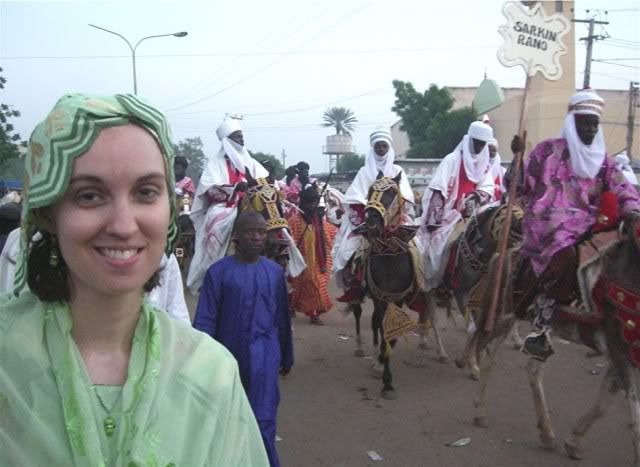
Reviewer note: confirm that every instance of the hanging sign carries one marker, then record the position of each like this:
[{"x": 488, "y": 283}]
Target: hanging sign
[{"x": 533, "y": 39}]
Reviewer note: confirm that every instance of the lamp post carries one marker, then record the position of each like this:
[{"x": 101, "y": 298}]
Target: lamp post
[{"x": 133, "y": 49}]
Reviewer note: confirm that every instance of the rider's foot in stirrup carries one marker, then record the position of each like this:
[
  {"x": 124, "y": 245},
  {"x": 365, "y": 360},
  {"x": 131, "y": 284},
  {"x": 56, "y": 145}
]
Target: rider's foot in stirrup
[{"x": 537, "y": 345}]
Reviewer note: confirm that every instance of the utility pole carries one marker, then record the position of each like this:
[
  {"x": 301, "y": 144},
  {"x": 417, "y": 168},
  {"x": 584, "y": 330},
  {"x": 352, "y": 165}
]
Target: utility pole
[
  {"x": 631, "y": 117},
  {"x": 589, "y": 39},
  {"x": 284, "y": 159}
]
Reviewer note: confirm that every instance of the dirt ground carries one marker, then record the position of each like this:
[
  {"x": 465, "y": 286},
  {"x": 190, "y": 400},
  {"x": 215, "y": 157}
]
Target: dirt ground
[{"x": 331, "y": 413}]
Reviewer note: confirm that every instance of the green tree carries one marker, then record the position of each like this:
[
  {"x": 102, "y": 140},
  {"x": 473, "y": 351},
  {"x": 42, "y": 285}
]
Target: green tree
[
  {"x": 446, "y": 131},
  {"x": 191, "y": 148},
  {"x": 341, "y": 118},
  {"x": 349, "y": 162},
  {"x": 421, "y": 111},
  {"x": 277, "y": 164},
  {"x": 10, "y": 141}
]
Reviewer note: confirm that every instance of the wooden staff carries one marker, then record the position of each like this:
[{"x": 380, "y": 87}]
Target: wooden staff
[{"x": 506, "y": 228}]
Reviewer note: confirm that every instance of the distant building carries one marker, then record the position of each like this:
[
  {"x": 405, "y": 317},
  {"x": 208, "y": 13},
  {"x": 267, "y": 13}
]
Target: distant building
[{"x": 546, "y": 108}]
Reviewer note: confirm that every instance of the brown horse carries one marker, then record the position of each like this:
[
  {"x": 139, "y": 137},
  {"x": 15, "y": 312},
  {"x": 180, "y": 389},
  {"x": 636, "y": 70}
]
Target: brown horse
[
  {"x": 617, "y": 323},
  {"x": 388, "y": 250}
]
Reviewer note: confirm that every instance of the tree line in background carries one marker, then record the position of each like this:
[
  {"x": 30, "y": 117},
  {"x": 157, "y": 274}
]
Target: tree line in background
[
  {"x": 434, "y": 129},
  {"x": 11, "y": 165},
  {"x": 191, "y": 149}
]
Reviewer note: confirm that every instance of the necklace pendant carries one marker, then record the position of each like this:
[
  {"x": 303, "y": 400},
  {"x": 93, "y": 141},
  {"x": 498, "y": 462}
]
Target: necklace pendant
[{"x": 109, "y": 426}]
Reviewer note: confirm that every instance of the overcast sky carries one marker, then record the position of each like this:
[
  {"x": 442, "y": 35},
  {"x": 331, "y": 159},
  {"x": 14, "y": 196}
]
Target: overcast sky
[{"x": 278, "y": 63}]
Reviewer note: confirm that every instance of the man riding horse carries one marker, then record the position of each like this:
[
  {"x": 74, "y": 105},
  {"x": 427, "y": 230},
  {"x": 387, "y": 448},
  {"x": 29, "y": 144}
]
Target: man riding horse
[
  {"x": 347, "y": 250},
  {"x": 215, "y": 206},
  {"x": 572, "y": 190},
  {"x": 462, "y": 183}
]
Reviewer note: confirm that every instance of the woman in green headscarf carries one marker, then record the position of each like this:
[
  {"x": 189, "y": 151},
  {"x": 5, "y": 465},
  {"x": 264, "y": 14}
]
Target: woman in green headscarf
[{"x": 91, "y": 373}]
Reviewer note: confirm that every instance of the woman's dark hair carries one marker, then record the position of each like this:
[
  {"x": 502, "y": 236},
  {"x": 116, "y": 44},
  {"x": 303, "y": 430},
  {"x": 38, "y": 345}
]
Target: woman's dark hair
[{"x": 51, "y": 284}]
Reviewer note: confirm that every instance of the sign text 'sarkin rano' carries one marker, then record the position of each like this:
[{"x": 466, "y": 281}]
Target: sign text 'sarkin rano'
[{"x": 533, "y": 40}]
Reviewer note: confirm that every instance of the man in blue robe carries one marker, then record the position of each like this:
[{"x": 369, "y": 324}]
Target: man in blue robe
[{"x": 243, "y": 305}]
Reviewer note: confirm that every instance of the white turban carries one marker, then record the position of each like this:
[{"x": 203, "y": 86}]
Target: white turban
[
  {"x": 476, "y": 165},
  {"x": 481, "y": 131},
  {"x": 622, "y": 158},
  {"x": 238, "y": 155},
  {"x": 623, "y": 163},
  {"x": 229, "y": 126},
  {"x": 375, "y": 163},
  {"x": 586, "y": 161},
  {"x": 380, "y": 134},
  {"x": 493, "y": 142}
]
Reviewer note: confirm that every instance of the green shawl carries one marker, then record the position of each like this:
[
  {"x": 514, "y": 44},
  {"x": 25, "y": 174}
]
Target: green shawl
[{"x": 183, "y": 402}]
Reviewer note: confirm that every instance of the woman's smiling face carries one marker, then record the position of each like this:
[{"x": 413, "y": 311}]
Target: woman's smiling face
[{"x": 112, "y": 222}]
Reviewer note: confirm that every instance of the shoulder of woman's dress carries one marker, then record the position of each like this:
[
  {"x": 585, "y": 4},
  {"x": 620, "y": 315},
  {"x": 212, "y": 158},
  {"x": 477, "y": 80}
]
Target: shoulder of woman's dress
[
  {"x": 21, "y": 308},
  {"x": 190, "y": 343}
]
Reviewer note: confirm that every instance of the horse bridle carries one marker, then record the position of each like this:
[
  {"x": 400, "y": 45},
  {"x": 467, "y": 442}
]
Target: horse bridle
[
  {"x": 374, "y": 202},
  {"x": 264, "y": 195}
]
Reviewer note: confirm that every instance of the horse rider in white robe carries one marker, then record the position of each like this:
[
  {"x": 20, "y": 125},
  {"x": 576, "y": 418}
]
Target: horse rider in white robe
[
  {"x": 347, "y": 246},
  {"x": 462, "y": 182},
  {"x": 497, "y": 171},
  {"x": 623, "y": 164},
  {"x": 215, "y": 206}
]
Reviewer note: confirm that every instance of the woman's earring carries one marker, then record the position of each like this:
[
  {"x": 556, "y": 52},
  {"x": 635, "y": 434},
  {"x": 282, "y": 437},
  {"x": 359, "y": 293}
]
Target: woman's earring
[{"x": 54, "y": 256}]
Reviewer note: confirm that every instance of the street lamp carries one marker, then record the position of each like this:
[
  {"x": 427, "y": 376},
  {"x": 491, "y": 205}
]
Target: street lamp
[{"x": 133, "y": 49}]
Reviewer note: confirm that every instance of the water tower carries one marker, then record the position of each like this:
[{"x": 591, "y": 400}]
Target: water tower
[{"x": 337, "y": 145}]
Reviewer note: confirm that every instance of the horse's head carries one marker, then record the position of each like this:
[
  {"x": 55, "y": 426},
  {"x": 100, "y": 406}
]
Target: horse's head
[
  {"x": 384, "y": 205},
  {"x": 263, "y": 198}
]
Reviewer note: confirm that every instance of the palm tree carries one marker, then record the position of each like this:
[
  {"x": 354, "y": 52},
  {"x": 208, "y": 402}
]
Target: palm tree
[{"x": 341, "y": 118}]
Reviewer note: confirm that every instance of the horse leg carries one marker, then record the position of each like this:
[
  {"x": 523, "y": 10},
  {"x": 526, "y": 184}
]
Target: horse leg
[
  {"x": 486, "y": 364},
  {"x": 469, "y": 357},
  {"x": 376, "y": 326},
  {"x": 633, "y": 397},
  {"x": 514, "y": 335},
  {"x": 357, "y": 313},
  {"x": 387, "y": 389},
  {"x": 442, "y": 353},
  {"x": 608, "y": 388},
  {"x": 534, "y": 370},
  {"x": 422, "y": 329}
]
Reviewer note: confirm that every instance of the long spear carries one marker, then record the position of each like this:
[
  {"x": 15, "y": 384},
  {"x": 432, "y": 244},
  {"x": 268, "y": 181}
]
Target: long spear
[{"x": 506, "y": 228}]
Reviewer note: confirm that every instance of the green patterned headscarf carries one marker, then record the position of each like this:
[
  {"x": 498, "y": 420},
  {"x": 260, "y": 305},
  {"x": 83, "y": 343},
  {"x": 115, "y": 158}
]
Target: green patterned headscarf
[{"x": 68, "y": 132}]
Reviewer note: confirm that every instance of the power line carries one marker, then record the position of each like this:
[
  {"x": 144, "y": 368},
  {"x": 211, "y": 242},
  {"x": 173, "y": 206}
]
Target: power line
[
  {"x": 589, "y": 40},
  {"x": 246, "y": 78},
  {"x": 252, "y": 54},
  {"x": 208, "y": 81},
  {"x": 616, "y": 64}
]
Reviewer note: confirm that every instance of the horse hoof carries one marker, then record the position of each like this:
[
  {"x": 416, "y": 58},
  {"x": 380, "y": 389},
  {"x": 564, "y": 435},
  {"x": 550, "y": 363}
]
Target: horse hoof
[
  {"x": 547, "y": 442},
  {"x": 443, "y": 359},
  {"x": 358, "y": 353},
  {"x": 389, "y": 394},
  {"x": 474, "y": 375},
  {"x": 377, "y": 367},
  {"x": 459, "y": 363},
  {"x": 423, "y": 346},
  {"x": 572, "y": 450},
  {"x": 480, "y": 422},
  {"x": 517, "y": 345}
]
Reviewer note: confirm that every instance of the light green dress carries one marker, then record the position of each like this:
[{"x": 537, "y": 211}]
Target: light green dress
[{"x": 182, "y": 404}]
